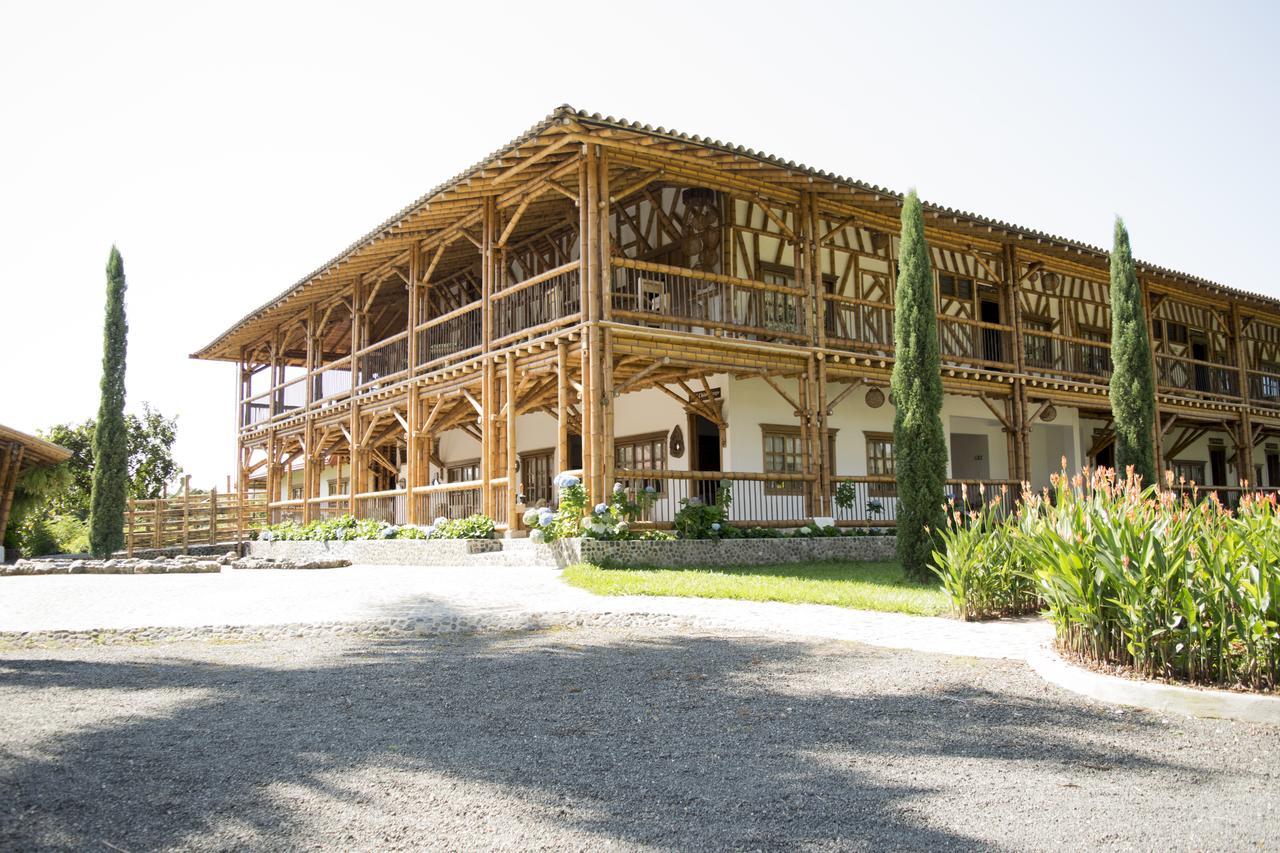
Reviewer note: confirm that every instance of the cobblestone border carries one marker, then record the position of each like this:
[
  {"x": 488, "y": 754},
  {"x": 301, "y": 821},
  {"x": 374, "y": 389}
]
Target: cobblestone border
[{"x": 390, "y": 627}]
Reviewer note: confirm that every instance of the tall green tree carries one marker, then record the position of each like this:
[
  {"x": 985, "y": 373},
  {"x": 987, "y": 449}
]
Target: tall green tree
[
  {"x": 919, "y": 442},
  {"x": 110, "y": 437},
  {"x": 1133, "y": 387}
]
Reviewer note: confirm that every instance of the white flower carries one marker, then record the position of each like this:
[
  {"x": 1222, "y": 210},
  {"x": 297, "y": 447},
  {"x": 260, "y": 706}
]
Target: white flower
[
  {"x": 439, "y": 521},
  {"x": 715, "y": 525},
  {"x": 531, "y": 517},
  {"x": 565, "y": 480},
  {"x": 617, "y": 487},
  {"x": 537, "y": 537}
]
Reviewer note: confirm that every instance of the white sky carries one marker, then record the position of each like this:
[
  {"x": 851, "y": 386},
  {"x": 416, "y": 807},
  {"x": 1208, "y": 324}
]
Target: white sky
[{"x": 232, "y": 148}]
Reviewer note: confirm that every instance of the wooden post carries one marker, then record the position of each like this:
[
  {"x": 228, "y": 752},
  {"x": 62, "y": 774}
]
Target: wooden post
[
  {"x": 186, "y": 514},
  {"x": 1019, "y": 435},
  {"x": 825, "y": 505},
  {"x": 213, "y": 516},
  {"x": 1244, "y": 464},
  {"x": 10, "y": 470},
  {"x": 513, "y": 523},
  {"x": 486, "y": 437},
  {"x": 1157, "y": 427},
  {"x": 562, "y": 406},
  {"x": 128, "y": 538},
  {"x": 157, "y": 522}
]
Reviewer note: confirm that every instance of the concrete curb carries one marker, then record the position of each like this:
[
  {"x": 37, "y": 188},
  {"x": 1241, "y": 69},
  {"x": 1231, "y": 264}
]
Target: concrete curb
[{"x": 1153, "y": 695}]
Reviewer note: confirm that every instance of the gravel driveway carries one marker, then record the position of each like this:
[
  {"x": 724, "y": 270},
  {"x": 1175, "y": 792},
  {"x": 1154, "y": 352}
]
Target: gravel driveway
[{"x": 575, "y": 739}]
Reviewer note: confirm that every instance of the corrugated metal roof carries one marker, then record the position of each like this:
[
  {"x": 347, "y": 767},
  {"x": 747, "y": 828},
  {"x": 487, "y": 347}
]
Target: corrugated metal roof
[{"x": 568, "y": 114}]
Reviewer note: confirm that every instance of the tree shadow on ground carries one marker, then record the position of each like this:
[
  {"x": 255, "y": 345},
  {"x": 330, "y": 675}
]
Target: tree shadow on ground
[{"x": 652, "y": 739}]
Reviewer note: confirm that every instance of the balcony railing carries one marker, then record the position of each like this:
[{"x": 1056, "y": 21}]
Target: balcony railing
[
  {"x": 447, "y": 500},
  {"x": 1264, "y": 389},
  {"x": 859, "y": 324},
  {"x": 1061, "y": 355},
  {"x": 973, "y": 342},
  {"x": 451, "y": 337},
  {"x": 683, "y": 300},
  {"x": 388, "y": 506},
  {"x": 538, "y": 305},
  {"x": 383, "y": 363},
  {"x": 333, "y": 380},
  {"x": 1200, "y": 378}
]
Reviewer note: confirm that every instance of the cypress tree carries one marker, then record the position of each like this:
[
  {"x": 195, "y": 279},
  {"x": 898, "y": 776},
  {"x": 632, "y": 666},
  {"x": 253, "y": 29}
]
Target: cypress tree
[
  {"x": 919, "y": 442},
  {"x": 110, "y": 437},
  {"x": 1133, "y": 395}
]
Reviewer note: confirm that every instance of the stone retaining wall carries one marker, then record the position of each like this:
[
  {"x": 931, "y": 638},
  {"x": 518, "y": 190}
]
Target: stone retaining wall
[
  {"x": 678, "y": 552},
  {"x": 725, "y": 552},
  {"x": 379, "y": 552}
]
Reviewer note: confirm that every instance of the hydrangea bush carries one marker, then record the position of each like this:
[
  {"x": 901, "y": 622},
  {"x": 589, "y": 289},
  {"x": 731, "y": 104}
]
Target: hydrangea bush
[{"x": 347, "y": 528}]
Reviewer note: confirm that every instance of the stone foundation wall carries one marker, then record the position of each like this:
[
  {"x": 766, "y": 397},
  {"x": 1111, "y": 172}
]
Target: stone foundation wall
[
  {"x": 379, "y": 552},
  {"x": 712, "y": 552}
]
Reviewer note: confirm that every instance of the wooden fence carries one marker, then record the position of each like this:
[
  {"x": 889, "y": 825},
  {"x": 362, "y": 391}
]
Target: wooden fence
[{"x": 189, "y": 520}]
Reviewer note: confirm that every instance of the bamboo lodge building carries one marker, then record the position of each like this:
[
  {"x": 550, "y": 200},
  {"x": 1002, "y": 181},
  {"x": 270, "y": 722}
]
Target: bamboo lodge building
[{"x": 673, "y": 312}]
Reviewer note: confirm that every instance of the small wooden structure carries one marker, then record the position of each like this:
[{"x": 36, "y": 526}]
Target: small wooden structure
[
  {"x": 20, "y": 453},
  {"x": 185, "y": 520}
]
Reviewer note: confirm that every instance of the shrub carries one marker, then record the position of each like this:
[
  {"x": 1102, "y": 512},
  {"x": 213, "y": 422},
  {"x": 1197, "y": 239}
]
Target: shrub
[
  {"x": 341, "y": 529},
  {"x": 981, "y": 570},
  {"x": 1170, "y": 587},
  {"x": 698, "y": 519},
  {"x": 611, "y": 519},
  {"x": 472, "y": 527}
]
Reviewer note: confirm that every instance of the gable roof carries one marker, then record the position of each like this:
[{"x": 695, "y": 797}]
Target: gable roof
[
  {"x": 391, "y": 237},
  {"x": 36, "y": 451}
]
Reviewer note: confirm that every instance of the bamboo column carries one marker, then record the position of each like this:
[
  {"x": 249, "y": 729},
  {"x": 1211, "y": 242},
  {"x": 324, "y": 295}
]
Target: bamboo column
[
  {"x": 1244, "y": 465},
  {"x": 486, "y": 437},
  {"x": 562, "y": 406},
  {"x": 1019, "y": 435},
  {"x": 1157, "y": 426},
  {"x": 512, "y": 522},
  {"x": 355, "y": 478}
]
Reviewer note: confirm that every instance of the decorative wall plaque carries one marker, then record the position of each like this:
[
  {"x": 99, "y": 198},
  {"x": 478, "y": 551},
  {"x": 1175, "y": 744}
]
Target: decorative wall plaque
[{"x": 675, "y": 445}]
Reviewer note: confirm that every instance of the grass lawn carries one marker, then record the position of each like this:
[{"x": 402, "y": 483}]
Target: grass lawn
[{"x": 862, "y": 586}]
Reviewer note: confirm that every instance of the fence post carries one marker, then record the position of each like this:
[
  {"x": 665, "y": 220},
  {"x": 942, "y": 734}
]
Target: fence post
[
  {"x": 128, "y": 538},
  {"x": 240, "y": 520},
  {"x": 186, "y": 514},
  {"x": 157, "y": 520},
  {"x": 213, "y": 516}
]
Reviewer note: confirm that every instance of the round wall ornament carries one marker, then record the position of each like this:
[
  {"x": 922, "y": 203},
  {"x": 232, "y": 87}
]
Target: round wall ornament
[{"x": 875, "y": 398}]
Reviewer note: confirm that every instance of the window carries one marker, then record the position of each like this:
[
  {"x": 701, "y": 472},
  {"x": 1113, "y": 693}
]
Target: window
[
  {"x": 1269, "y": 382},
  {"x": 535, "y": 477},
  {"x": 955, "y": 287},
  {"x": 784, "y": 454},
  {"x": 880, "y": 462},
  {"x": 339, "y": 486},
  {"x": 1167, "y": 330},
  {"x": 463, "y": 472},
  {"x": 642, "y": 453},
  {"x": 295, "y": 493},
  {"x": 1187, "y": 473},
  {"x": 1039, "y": 346}
]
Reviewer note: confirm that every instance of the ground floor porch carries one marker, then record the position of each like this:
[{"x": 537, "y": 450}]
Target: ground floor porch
[{"x": 782, "y": 438}]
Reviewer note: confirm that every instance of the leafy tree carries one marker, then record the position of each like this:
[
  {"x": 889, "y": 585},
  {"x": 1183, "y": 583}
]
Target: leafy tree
[
  {"x": 51, "y": 505},
  {"x": 29, "y": 531},
  {"x": 110, "y": 439},
  {"x": 919, "y": 442},
  {"x": 1133, "y": 394},
  {"x": 151, "y": 463}
]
